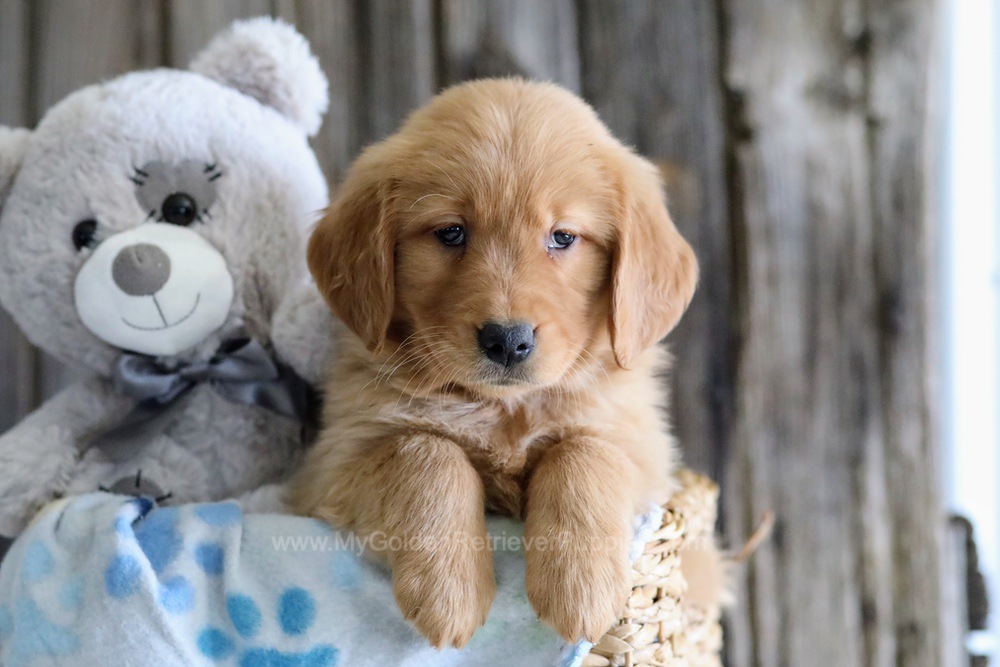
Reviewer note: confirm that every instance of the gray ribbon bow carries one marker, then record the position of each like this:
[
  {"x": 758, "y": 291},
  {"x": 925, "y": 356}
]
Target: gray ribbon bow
[{"x": 242, "y": 371}]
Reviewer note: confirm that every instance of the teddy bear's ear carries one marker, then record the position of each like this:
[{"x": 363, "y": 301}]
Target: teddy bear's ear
[
  {"x": 268, "y": 60},
  {"x": 13, "y": 146}
]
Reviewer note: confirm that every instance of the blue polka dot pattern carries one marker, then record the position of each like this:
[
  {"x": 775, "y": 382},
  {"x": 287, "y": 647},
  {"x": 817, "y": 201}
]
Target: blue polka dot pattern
[
  {"x": 210, "y": 557},
  {"x": 143, "y": 504},
  {"x": 37, "y": 636},
  {"x": 213, "y": 643},
  {"x": 71, "y": 593},
  {"x": 574, "y": 655},
  {"x": 346, "y": 571},
  {"x": 296, "y": 611},
  {"x": 159, "y": 539},
  {"x": 128, "y": 514},
  {"x": 219, "y": 514},
  {"x": 321, "y": 656},
  {"x": 6, "y": 623},
  {"x": 121, "y": 578},
  {"x": 123, "y": 525},
  {"x": 177, "y": 595},
  {"x": 244, "y": 613},
  {"x": 38, "y": 562}
]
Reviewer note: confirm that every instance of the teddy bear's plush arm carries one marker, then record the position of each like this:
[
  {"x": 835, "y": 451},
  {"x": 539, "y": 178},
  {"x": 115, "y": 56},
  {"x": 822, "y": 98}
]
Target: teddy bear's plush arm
[
  {"x": 37, "y": 455},
  {"x": 305, "y": 333}
]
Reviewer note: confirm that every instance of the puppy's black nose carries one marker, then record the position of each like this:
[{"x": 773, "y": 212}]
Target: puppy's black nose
[{"x": 507, "y": 344}]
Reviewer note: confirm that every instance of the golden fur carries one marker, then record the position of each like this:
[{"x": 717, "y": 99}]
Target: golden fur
[{"x": 421, "y": 433}]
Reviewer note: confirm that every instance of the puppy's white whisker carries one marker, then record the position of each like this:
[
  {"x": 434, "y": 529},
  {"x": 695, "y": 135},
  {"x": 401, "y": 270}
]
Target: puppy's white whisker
[
  {"x": 426, "y": 381},
  {"x": 380, "y": 376},
  {"x": 433, "y": 194},
  {"x": 444, "y": 172},
  {"x": 417, "y": 371},
  {"x": 437, "y": 368},
  {"x": 598, "y": 364}
]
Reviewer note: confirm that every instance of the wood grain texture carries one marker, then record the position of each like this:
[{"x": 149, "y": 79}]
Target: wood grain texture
[
  {"x": 806, "y": 437},
  {"x": 332, "y": 30},
  {"x": 15, "y": 51},
  {"x": 819, "y": 436},
  {"x": 399, "y": 62},
  {"x": 903, "y": 89},
  {"x": 192, "y": 23},
  {"x": 537, "y": 40},
  {"x": 81, "y": 42},
  {"x": 651, "y": 70},
  {"x": 19, "y": 387}
]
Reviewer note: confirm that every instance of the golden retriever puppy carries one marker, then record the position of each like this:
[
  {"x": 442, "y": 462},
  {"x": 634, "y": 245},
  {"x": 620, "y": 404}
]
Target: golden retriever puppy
[{"x": 505, "y": 268}]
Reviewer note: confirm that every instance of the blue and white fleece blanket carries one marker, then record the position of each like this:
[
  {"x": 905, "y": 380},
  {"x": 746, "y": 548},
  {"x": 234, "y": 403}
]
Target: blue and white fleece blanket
[{"x": 104, "y": 580}]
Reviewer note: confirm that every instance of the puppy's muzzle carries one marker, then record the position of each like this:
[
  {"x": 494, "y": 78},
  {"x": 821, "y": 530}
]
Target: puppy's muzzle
[{"x": 507, "y": 344}]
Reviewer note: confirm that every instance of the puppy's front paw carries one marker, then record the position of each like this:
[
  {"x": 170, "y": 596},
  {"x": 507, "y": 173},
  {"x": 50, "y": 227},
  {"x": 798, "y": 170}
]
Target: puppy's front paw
[
  {"x": 580, "y": 592},
  {"x": 445, "y": 594}
]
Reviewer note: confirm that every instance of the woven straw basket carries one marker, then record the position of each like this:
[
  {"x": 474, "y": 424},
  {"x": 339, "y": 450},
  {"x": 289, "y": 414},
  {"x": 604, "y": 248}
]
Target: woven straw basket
[{"x": 657, "y": 628}]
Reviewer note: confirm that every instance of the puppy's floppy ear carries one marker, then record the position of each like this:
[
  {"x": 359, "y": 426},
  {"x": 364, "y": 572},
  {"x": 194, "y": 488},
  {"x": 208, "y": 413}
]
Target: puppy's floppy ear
[
  {"x": 654, "y": 270},
  {"x": 351, "y": 251}
]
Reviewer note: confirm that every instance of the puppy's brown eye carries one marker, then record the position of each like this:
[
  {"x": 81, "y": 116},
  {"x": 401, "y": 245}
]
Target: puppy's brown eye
[
  {"x": 561, "y": 239},
  {"x": 451, "y": 236}
]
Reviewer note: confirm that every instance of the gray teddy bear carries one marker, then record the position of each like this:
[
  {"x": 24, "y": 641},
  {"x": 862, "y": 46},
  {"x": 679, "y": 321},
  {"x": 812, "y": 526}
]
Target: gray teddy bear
[{"x": 152, "y": 232}]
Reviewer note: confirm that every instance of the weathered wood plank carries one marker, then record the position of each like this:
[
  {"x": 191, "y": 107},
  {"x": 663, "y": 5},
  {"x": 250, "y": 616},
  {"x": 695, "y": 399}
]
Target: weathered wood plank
[
  {"x": 18, "y": 386},
  {"x": 151, "y": 33},
  {"x": 537, "y": 40},
  {"x": 651, "y": 70},
  {"x": 192, "y": 23},
  {"x": 331, "y": 28},
  {"x": 81, "y": 42},
  {"x": 807, "y": 368},
  {"x": 819, "y": 433},
  {"x": 903, "y": 61},
  {"x": 15, "y": 31},
  {"x": 399, "y": 62}
]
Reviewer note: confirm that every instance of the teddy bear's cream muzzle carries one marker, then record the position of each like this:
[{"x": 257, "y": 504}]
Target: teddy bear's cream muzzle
[{"x": 157, "y": 289}]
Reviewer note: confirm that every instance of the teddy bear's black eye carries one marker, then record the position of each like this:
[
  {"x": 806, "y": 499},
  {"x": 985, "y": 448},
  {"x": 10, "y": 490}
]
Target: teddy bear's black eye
[
  {"x": 179, "y": 209},
  {"x": 84, "y": 233}
]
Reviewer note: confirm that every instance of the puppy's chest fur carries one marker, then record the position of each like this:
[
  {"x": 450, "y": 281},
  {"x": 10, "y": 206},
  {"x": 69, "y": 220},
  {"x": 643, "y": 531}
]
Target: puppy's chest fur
[{"x": 503, "y": 443}]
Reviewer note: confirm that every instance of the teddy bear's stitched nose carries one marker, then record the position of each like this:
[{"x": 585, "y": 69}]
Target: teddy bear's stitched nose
[{"x": 141, "y": 269}]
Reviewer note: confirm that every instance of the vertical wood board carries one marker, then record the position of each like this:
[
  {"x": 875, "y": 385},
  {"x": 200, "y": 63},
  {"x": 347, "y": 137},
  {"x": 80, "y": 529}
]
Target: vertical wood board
[{"x": 19, "y": 388}]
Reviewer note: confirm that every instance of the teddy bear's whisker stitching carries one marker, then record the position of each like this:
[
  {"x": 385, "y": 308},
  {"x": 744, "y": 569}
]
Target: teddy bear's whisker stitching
[{"x": 139, "y": 177}]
